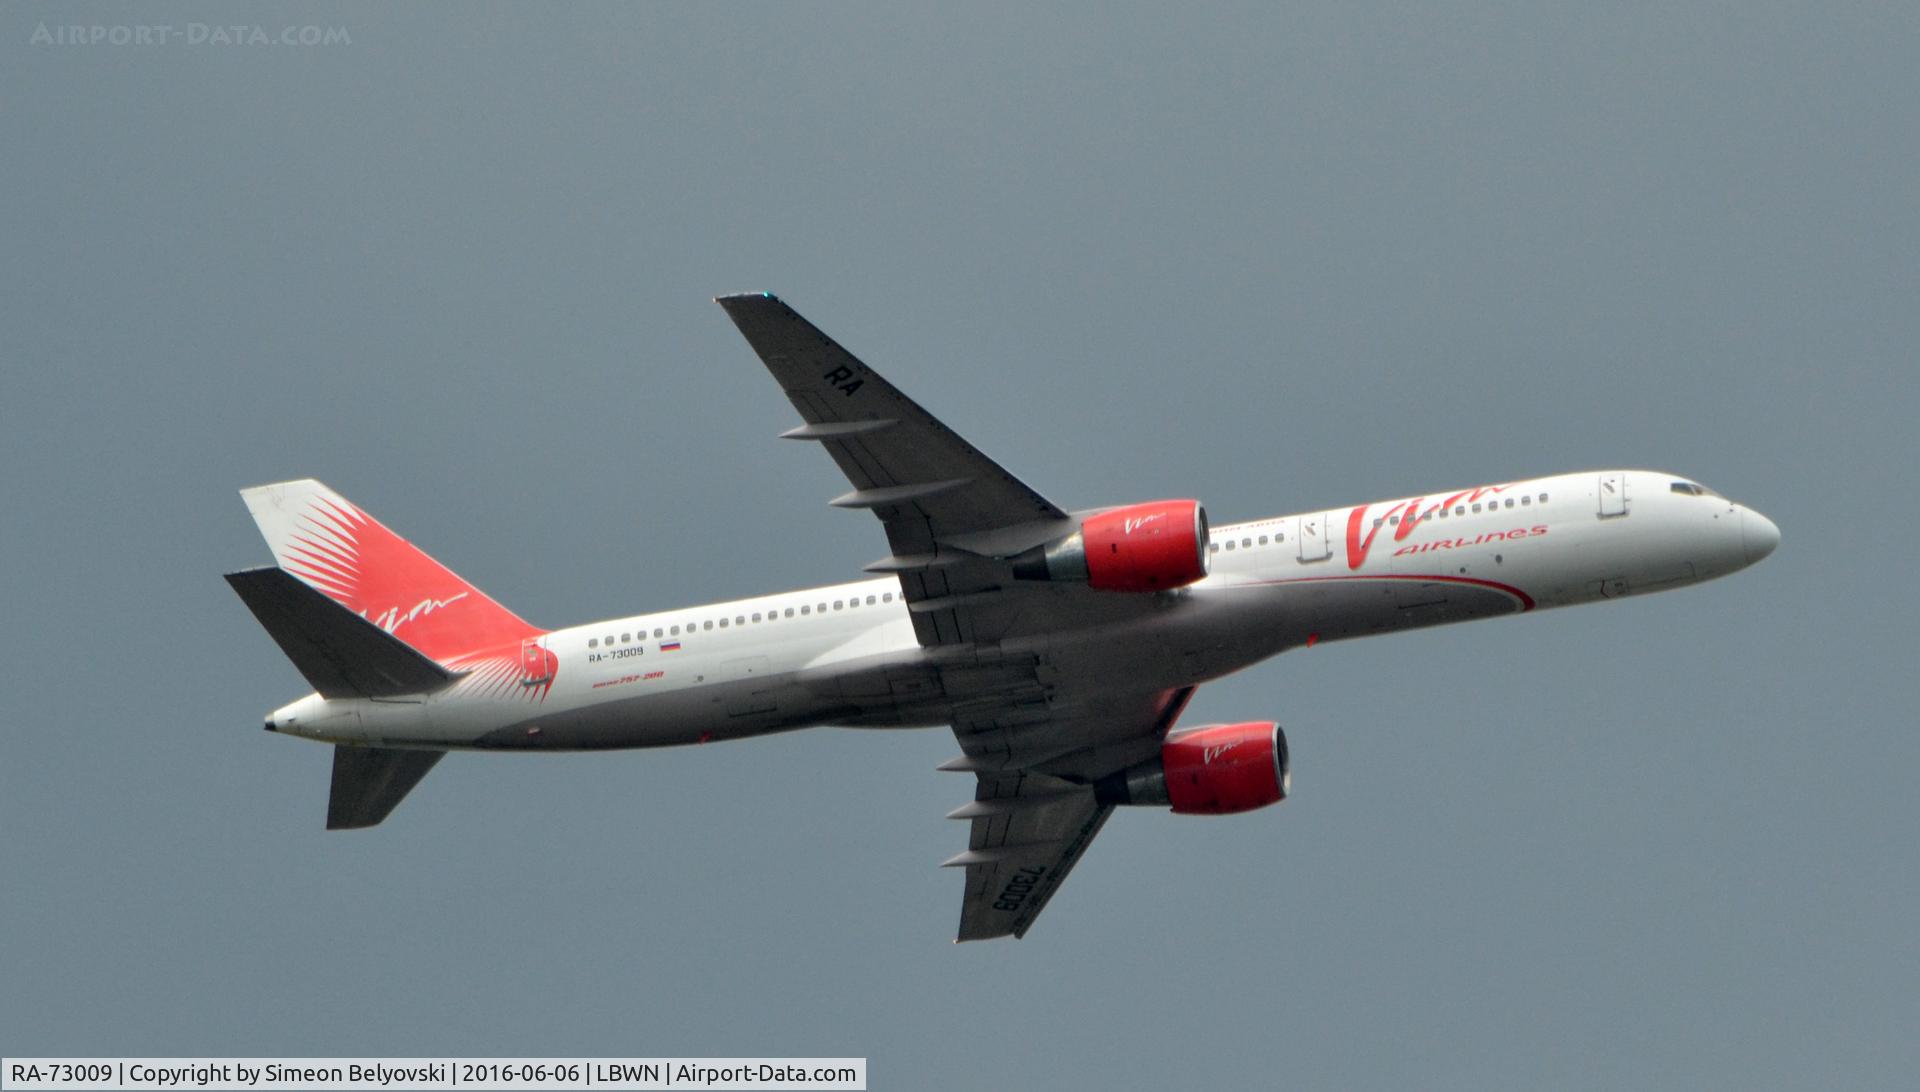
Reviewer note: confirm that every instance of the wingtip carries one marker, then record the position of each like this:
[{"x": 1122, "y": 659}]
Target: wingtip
[{"x": 744, "y": 297}]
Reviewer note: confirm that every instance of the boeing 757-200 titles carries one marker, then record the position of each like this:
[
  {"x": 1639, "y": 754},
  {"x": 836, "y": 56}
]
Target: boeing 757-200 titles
[{"x": 1060, "y": 646}]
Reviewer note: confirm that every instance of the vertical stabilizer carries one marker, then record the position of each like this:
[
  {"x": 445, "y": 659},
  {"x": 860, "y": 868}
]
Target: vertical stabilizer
[{"x": 339, "y": 550}]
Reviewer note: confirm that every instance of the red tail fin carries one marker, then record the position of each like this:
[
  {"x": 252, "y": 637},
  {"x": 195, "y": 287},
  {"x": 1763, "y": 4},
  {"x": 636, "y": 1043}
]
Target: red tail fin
[{"x": 325, "y": 540}]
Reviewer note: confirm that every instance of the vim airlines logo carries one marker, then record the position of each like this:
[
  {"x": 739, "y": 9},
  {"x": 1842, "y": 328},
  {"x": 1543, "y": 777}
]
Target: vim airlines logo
[
  {"x": 1134, "y": 523},
  {"x": 392, "y": 618},
  {"x": 1409, "y": 515},
  {"x": 1208, "y": 754}
]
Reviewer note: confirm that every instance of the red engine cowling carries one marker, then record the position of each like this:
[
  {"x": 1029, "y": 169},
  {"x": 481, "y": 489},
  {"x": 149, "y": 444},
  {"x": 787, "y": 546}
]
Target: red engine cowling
[
  {"x": 1217, "y": 770},
  {"x": 1138, "y": 548}
]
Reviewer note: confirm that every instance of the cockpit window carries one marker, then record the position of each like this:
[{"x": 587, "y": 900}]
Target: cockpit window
[{"x": 1693, "y": 489}]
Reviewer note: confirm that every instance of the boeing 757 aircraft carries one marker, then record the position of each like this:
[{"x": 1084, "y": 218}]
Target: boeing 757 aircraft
[{"x": 1059, "y": 646}]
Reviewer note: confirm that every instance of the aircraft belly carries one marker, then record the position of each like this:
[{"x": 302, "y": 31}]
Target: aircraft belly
[
  {"x": 1205, "y": 633},
  {"x": 1360, "y": 607},
  {"x": 1222, "y": 630},
  {"x": 735, "y": 709}
]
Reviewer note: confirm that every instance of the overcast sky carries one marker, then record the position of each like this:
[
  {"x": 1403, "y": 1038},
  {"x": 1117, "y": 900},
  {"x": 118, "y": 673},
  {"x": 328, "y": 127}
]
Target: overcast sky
[{"x": 459, "y": 267}]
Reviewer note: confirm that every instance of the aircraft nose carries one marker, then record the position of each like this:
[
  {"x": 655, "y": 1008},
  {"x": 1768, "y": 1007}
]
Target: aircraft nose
[{"x": 1757, "y": 534}]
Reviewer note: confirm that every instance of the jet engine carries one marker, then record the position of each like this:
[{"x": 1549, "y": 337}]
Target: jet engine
[
  {"x": 1138, "y": 548},
  {"x": 1217, "y": 770}
]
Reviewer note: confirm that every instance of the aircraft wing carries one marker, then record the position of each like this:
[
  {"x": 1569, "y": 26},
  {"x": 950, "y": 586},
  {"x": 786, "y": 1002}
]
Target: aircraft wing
[
  {"x": 952, "y": 516},
  {"x": 947, "y": 508},
  {"x": 1028, "y": 831},
  {"x": 1034, "y": 809}
]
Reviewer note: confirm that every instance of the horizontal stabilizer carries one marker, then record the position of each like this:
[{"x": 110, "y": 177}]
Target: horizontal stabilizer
[
  {"x": 342, "y": 654},
  {"x": 369, "y": 781}
]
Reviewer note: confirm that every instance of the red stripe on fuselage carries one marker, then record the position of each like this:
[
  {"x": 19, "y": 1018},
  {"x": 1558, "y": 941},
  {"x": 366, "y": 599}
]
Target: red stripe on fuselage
[{"x": 1526, "y": 601}]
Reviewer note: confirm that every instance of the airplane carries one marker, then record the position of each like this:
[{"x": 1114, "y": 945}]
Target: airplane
[{"x": 1059, "y": 646}]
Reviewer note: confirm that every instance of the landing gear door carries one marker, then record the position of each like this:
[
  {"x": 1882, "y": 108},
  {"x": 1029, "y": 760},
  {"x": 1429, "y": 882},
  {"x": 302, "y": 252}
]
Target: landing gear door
[
  {"x": 1316, "y": 543},
  {"x": 1613, "y": 495}
]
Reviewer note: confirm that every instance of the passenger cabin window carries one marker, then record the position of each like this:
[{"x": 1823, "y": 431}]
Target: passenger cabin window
[
  {"x": 723, "y": 623},
  {"x": 593, "y": 642},
  {"x": 676, "y": 631}
]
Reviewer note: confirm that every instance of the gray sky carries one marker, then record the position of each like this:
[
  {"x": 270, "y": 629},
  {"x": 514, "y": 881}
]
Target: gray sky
[{"x": 459, "y": 268}]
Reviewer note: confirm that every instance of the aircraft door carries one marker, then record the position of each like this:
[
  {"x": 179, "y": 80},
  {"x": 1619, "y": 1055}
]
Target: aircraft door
[
  {"x": 1613, "y": 495},
  {"x": 1314, "y": 536}
]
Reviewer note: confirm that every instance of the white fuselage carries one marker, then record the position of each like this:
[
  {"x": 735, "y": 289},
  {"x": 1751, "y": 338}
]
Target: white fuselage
[{"x": 847, "y": 654}]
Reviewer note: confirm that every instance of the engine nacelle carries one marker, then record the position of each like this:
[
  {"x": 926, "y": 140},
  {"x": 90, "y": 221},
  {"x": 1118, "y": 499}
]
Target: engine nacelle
[
  {"x": 1138, "y": 548},
  {"x": 1217, "y": 770}
]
